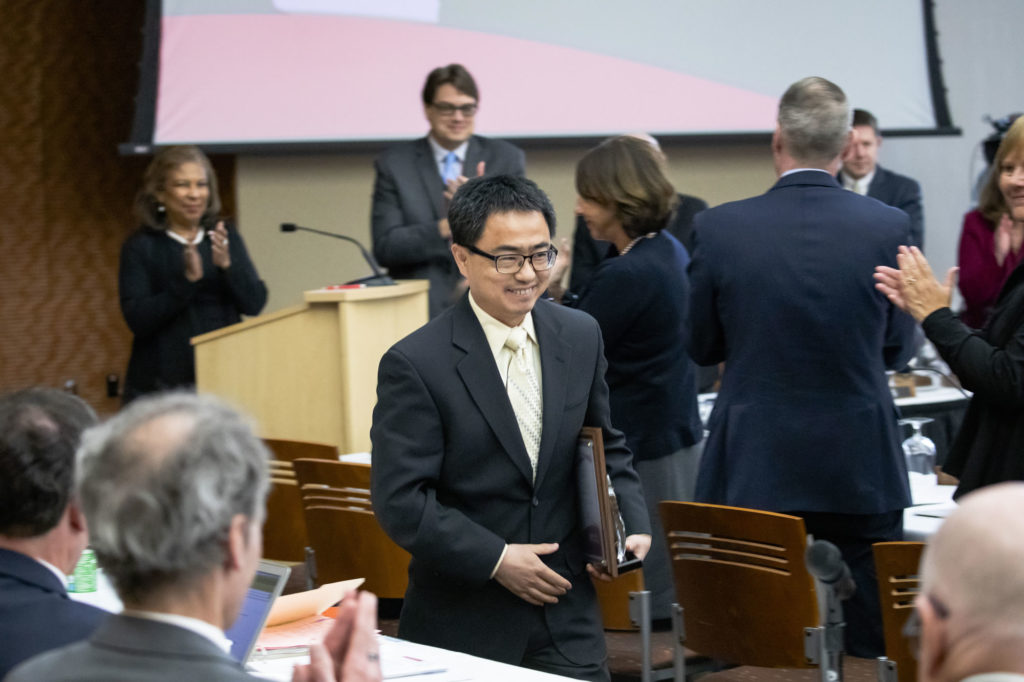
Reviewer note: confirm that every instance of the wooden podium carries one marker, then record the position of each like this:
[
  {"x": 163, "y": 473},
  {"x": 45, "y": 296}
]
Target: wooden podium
[{"x": 309, "y": 372}]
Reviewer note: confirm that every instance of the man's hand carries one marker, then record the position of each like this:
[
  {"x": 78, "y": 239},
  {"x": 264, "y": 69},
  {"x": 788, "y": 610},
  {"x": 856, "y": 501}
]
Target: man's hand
[
  {"x": 443, "y": 229},
  {"x": 523, "y": 574},
  {"x": 455, "y": 183},
  {"x": 639, "y": 545},
  {"x": 349, "y": 652}
]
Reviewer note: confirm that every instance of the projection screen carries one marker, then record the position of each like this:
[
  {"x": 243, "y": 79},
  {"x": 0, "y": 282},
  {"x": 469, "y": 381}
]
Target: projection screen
[{"x": 239, "y": 74}]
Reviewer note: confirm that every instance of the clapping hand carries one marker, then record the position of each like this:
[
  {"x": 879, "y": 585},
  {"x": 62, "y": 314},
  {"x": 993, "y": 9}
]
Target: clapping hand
[
  {"x": 349, "y": 652},
  {"x": 913, "y": 288},
  {"x": 219, "y": 246}
]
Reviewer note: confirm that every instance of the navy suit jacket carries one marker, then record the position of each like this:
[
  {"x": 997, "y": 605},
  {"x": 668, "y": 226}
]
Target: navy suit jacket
[
  {"x": 408, "y": 201},
  {"x": 782, "y": 292},
  {"x": 36, "y": 614},
  {"x": 641, "y": 301},
  {"x": 452, "y": 481},
  {"x": 136, "y": 649},
  {"x": 900, "y": 192}
]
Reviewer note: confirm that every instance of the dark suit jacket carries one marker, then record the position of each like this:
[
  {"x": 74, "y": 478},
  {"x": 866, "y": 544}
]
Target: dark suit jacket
[
  {"x": 36, "y": 614},
  {"x": 641, "y": 301},
  {"x": 164, "y": 310},
  {"x": 900, "y": 192},
  {"x": 782, "y": 291},
  {"x": 408, "y": 201},
  {"x": 452, "y": 480},
  {"x": 587, "y": 252},
  {"x": 136, "y": 649}
]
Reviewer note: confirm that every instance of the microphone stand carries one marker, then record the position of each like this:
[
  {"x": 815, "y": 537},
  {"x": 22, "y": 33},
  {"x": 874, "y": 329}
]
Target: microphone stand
[{"x": 378, "y": 278}]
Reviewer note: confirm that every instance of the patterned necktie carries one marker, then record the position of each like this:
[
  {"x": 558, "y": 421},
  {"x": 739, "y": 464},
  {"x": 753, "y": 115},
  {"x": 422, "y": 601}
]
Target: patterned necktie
[
  {"x": 451, "y": 169},
  {"x": 524, "y": 394}
]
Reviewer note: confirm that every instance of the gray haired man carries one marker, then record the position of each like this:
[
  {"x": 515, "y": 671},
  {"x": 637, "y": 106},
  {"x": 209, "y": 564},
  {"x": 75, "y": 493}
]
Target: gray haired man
[{"x": 174, "y": 490}]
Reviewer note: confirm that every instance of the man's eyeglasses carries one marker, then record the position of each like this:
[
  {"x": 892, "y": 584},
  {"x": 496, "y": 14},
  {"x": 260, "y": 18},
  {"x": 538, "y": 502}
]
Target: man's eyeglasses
[
  {"x": 511, "y": 263},
  {"x": 447, "y": 109}
]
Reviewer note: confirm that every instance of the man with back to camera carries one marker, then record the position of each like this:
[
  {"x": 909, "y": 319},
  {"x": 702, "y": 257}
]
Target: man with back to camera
[
  {"x": 971, "y": 602},
  {"x": 42, "y": 527},
  {"x": 174, "y": 489},
  {"x": 474, "y": 449},
  {"x": 782, "y": 292},
  {"x": 415, "y": 181},
  {"x": 861, "y": 173}
]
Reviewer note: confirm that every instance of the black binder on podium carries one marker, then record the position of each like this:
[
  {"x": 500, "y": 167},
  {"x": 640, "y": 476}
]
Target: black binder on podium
[{"x": 603, "y": 529}]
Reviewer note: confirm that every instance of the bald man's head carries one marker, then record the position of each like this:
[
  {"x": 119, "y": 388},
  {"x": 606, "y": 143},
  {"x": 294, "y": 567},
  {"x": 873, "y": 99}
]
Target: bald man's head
[{"x": 975, "y": 563}]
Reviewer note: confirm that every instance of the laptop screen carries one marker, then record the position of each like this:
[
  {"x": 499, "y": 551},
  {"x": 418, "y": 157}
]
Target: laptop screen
[{"x": 266, "y": 586}]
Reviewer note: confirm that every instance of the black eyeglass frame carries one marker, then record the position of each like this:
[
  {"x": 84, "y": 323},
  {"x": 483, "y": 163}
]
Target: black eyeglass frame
[
  {"x": 551, "y": 252},
  {"x": 448, "y": 109}
]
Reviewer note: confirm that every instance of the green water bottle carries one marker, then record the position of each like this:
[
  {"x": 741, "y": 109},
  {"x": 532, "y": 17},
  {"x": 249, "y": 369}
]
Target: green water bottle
[{"x": 83, "y": 579}]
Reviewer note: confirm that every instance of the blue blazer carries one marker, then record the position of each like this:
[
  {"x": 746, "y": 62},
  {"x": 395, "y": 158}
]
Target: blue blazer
[
  {"x": 782, "y": 292},
  {"x": 408, "y": 201},
  {"x": 900, "y": 192},
  {"x": 36, "y": 614},
  {"x": 452, "y": 481}
]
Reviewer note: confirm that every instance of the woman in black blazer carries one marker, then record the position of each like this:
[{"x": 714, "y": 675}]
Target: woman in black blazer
[{"x": 184, "y": 272}]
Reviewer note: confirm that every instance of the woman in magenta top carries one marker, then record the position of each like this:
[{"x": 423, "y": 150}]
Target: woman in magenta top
[{"x": 990, "y": 249}]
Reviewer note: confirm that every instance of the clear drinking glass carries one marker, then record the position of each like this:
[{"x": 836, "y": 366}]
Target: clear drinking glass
[{"x": 918, "y": 449}]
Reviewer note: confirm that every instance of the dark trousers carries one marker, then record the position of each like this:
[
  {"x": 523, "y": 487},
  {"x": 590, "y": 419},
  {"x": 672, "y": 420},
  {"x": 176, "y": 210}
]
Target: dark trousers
[
  {"x": 854, "y": 534},
  {"x": 542, "y": 654}
]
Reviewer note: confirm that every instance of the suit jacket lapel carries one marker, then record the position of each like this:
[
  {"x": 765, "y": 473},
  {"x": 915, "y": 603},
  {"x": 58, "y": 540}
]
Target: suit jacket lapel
[
  {"x": 554, "y": 362},
  {"x": 481, "y": 378},
  {"x": 474, "y": 155},
  {"x": 433, "y": 187}
]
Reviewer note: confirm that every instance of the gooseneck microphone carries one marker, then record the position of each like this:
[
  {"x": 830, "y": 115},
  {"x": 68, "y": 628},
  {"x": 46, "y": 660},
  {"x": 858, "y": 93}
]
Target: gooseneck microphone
[
  {"x": 378, "y": 278},
  {"x": 825, "y": 562}
]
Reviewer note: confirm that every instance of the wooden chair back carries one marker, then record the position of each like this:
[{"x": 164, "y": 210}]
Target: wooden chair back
[
  {"x": 291, "y": 450},
  {"x": 343, "y": 530},
  {"x": 613, "y": 598},
  {"x": 284, "y": 530},
  {"x": 896, "y": 564},
  {"x": 742, "y": 582}
]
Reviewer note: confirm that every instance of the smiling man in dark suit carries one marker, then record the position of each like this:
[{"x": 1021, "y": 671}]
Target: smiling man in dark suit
[
  {"x": 862, "y": 174},
  {"x": 474, "y": 449},
  {"x": 782, "y": 292},
  {"x": 42, "y": 527},
  {"x": 415, "y": 181}
]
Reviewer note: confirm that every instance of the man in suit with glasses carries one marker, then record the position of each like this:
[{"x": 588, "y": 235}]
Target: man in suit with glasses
[{"x": 415, "y": 181}]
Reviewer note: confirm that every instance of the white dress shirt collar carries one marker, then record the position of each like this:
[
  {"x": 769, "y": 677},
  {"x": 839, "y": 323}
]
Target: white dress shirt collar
[
  {"x": 440, "y": 152},
  {"x": 801, "y": 170},
  {"x": 497, "y": 331},
  {"x": 181, "y": 240},
  {"x": 200, "y": 627}
]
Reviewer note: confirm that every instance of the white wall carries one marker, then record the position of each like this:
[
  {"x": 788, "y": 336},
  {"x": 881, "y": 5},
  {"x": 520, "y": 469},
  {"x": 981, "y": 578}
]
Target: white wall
[{"x": 982, "y": 72}]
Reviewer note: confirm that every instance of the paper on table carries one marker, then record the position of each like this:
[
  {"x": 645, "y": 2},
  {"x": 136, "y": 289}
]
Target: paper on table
[
  {"x": 304, "y": 604},
  {"x": 297, "y": 633}
]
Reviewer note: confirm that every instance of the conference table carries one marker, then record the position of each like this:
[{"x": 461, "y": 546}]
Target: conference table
[{"x": 399, "y": 659}]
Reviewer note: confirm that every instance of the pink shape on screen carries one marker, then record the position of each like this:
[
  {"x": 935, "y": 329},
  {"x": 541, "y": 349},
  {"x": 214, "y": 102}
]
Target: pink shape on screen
[{"x": 266, "y": 77}]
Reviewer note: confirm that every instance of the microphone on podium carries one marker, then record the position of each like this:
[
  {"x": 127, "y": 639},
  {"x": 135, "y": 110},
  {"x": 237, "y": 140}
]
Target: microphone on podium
[{"x": 378, "y": 278}]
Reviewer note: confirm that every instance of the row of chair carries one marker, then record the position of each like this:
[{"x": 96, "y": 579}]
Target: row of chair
[
  {"x": 745, "y": 594},
  {"x": 320, "y": 503}
]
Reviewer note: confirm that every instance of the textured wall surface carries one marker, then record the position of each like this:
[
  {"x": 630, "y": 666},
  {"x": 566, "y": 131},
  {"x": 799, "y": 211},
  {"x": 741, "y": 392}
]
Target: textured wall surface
[{"x": 68, "y": 76}]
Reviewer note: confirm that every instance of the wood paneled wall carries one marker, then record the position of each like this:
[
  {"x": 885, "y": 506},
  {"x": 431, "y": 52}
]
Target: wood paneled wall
[{"x": 68, "y": 76}]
